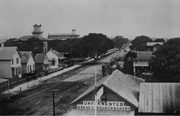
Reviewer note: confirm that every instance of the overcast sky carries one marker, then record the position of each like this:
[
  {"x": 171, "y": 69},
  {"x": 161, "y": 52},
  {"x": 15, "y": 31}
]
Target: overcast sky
[{"x": 129, "y": 18}]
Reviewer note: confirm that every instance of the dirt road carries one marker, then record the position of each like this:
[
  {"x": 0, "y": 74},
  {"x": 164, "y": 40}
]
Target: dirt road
[{"x": 38, "y": 101}]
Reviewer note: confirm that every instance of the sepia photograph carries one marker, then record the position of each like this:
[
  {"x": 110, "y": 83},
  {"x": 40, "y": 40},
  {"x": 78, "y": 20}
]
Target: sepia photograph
[{"x": 90, "y": 57}]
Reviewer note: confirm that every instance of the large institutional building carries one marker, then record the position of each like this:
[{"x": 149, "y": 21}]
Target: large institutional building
[{"x": 63, "y": 36}]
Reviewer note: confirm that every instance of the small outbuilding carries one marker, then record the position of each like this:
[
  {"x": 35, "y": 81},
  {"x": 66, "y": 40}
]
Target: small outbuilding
[
  {"x": 41, "y": 62},
  {"x": 27, "y": 61}
]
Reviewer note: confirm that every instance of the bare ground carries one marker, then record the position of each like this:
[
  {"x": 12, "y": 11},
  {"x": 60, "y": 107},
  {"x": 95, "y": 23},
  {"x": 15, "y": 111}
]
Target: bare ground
[{"x": 38, "y": 100}]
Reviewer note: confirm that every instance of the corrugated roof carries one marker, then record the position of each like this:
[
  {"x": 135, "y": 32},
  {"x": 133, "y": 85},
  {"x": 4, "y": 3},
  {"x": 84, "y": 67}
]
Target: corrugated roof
[
  {"x": 124, "y": 85},
  {"x": 3, "y": 80},
  {"x": 154, "y": 43},
  {"x": 25, "y": 55},
  {"x": 144, "y": 55},
  {"x": 159, "y": 97},
  {"x": 39, "y": 58},
  {"x": 6, "y": 53},
  {"x": 90, "y": 112}
]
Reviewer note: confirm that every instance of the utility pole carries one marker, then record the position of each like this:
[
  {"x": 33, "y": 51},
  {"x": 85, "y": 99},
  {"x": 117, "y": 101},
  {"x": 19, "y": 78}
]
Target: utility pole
[
  {"x": 95, "y": 95},
  {"x": 53, "y": 91}
]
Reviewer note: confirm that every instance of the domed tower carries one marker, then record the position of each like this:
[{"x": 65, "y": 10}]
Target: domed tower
[{"x": 37, "y": 31}]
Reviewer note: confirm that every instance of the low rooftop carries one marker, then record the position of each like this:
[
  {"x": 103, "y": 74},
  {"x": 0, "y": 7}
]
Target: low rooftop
[
  {"x": 123, "y": 85},
  {"x": 159, "y": 98}
]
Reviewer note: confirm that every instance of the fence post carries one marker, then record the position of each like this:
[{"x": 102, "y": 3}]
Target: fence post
[
  {"x": 8, "y": 86},
  {"x": 1, "y": 87}
]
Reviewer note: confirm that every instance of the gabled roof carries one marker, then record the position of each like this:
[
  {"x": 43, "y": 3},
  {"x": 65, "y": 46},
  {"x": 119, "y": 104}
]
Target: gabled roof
[
  {"x": 123, "y": 85},
  {"x": 59, "y": 55},
  {"x": 159, "y": 98},
  {"x": 154, "y": 43},
  {"x": 144, "y": 55},
  {"x": 6, "y": 53},
  {"x": 25, "y": 56},
  {"x": 39, "y": 58}
]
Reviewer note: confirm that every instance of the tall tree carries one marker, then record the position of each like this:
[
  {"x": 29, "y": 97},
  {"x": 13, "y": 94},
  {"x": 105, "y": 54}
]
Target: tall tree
[
  {"x": 139, "y": 43},
  {"x": 159, "y": 40},
  {"x": 166, "y": 63},
  {"x": 119, "y": 41},
  {"x": 32, "y": 44},
  {"x": 94, "y": 45}
]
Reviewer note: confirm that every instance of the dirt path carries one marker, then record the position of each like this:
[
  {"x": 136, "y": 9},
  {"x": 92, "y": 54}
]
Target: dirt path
[{"x": 38, "y": 101}]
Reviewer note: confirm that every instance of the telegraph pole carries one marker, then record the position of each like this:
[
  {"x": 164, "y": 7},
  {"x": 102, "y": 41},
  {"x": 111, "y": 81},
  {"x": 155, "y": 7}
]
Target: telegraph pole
[{"x": 53, "y": 91}]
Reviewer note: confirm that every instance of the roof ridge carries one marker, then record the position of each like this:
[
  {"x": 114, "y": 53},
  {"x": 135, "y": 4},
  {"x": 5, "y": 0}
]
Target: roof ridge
[{"x": 110, "y": 76}]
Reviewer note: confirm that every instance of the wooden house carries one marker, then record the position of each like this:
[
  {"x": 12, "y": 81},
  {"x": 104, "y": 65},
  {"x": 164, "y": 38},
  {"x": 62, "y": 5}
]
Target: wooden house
[
  {"x": 153, "y": 46},
  {"x": 53, "y": 58},
  {"x": 159, "y": 99},
  {"x": 41, "y": 62},
  {"x": 27, "y": 61},
  {"x": 61, "y": 57},
  {"x": 116, "y": 94},
  {"x": 140, "y": 63},
  {"x": 10, "y": 63}
]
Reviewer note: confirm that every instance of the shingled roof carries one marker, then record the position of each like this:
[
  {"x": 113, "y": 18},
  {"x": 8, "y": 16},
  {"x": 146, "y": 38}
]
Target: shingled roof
[
  {"x": 59, "y": 55},
  {"x": 123, "y": 85},
  {"x": 6, "y": 53},
  {"x": 39, "y": 58},
  {"x": 144, "y": 55}
]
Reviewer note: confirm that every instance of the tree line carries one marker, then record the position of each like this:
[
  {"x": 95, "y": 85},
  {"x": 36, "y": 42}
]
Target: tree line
[{"x": 92, "y": 45}]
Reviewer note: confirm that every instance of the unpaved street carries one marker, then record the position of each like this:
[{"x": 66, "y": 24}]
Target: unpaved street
[{"x": 38, "y": 100}]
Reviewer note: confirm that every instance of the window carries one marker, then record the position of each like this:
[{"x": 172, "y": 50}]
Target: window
[
  {"x": 31, "y": 67},
  {"x": 53, "y": 62},
  {"x": 12, "y": 61},
  {"x": 17, "y": 60},
  {"x": 104, "y": 97},
  {"x": 19, "y": 71},
  {"x": 13, "y": 72}
]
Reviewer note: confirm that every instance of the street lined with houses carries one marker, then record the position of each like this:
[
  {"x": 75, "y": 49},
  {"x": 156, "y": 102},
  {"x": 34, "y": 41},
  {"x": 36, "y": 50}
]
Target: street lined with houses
[
  {"x": 90, "y": 57},
  {"x": 83, "y": 75}
]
